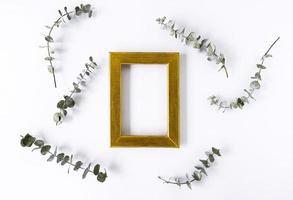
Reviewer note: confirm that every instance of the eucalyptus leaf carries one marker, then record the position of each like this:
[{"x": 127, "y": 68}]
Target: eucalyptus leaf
[
  {"x": 78, "y": 11},
  {"x": 102, "y": 177},
  {"x": 70, "y": 162},
  {"x": 78, "y": 164},
  {"x": 61, "y": 104},
  {"x": 188, "y": 184},
  {"x": 49, "y": 58},
  {"x": 268, "y": 56},
  {"x": 86, "y": 8},
  {"x": 77, "y": 90},
  {"x": 216, "y": 151},
  {"x": 90, "y": 14},
  {"x": 255, "y": 85},
  {"x": 240, "y": 103},
  {"x": 65, "y": 160},
  {"x": 205, "y": 163},
  {"x": 260, "y": 66},
  {"x": 45, "y": 149},
  {"x": 201, "y": 169},
  {"x": 211, "y": 158},
  {"x": 96, "y": 169},
  {"x": 50, "y": 69},
  {"x": 57, "y": 118},
  {"x": 64, "y": 112},
  {"x": 60, "y": 157},
  {"x": 49, "y": 38},
  {"x": 197, "y": 176},
  {"x": 85, "y": 172},
  {"x": 51, "y": 158},
  {"x": 27, "y": 140},
  {"x": 69, "y": 102}
]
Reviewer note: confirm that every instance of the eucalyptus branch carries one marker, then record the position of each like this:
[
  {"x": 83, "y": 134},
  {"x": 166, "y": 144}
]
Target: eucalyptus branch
[
  {"x": 82, "y": 9},
  {"x": 68, "y": 101},
  {"x": 197, "y": 174},
  {"x": 253, "y": 86},
  {"x": 196, "y": 41},
  {"x": 29, "y": 141}
]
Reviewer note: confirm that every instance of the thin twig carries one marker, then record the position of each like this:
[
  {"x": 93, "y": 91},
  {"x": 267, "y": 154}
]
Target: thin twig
[{"x": 48, "y": 45}]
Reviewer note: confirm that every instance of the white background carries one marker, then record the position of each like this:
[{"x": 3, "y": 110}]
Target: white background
[{"x": 256, "y": 142}]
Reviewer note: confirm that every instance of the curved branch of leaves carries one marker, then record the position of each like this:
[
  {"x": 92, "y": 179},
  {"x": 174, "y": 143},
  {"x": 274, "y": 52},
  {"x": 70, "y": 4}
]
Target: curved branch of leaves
[
  {"x": 68, "y": 101},
  {"x": 79, "y": 10},
  {"x": 253, "y": 86},
  {"x": 197, "y": 174},
  {"x": 194, "y": 40},
  {"x": 29, "y": 141}
]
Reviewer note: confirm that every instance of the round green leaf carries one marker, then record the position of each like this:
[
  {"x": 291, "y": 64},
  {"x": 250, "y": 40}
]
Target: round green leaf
[
  {"x": 211, "y": 157},
  {"x": 65, "y": 160},
  {"x": 61, "y": 104},
  {"x": 255, "y": 85},
  {"x": 69, "y": 102},
  {"x": 57, "y": 118},
  {"x": 45, "y": 149},
  {"x": 27, "y": 140},
  {"x": 39, "y": 143},
  {"x": 77, "y": 165},
  {"x": 96, "y": 169},
  {"x": 102, "y": 177},
  {"x": 60, "y": 157}
]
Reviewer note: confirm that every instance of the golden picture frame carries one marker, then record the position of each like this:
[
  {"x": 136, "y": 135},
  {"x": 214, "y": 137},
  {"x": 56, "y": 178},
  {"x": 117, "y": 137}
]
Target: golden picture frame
[{"x": 171, "y": 138}]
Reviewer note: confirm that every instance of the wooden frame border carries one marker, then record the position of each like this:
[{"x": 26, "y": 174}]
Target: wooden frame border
[{"x": 171, "y": 139}]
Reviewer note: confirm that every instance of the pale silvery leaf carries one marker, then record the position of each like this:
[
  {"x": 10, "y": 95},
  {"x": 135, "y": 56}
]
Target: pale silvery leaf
[
  {"x": 233, "y": 104},
  {"x": 210, "y": 51},
  {"x": 170, "y": 24},
  {"x": 255, "y": 85},
  {"x": 260, "y": 66},
  {"x": 190, "y": 37},
  {"x": 50, "y": 69},
  {"x": 268, "y": 56},
  {"x": 57, "y": 118},
  {"x": 51, "y": 158},
  {"x": 244, "y": 99},
  {"x": 203, "y": 42},
  {"x": 196, "y": 44}
]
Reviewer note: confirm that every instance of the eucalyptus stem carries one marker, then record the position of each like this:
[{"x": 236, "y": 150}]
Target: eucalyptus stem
[
  {"x": 48, "y": 45},
  {"x": 29, "y": 141},
  {"x": 254, "y": 85},
  {"x": 82, "y": 9},
  {"x": 198, "y": 173},
  {"x": 70, "y": 163},
  {"x": 267, "y": 52},
  {"x": 194, "y": 40},
  {"x": 68, "y": 101},
  {"x": 176, "y": 183}
]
